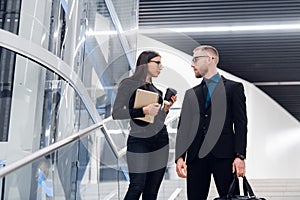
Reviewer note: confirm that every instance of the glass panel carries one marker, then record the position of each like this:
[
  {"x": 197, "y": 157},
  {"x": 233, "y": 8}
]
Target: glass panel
[
  {"x": 118, "y": 130},
  {"x": 46, "y": 109},
  {"x": 9, "y": 15},
  {"x": 85, "y": 35},
  {"x": 83, "y": 169},
  {"x": 109, "y": 172},
  {"x": 7, "y": 63},
  {"x": 62, "y": 175},
  {"x": 44, "y": 23},
  {"x": 105, "y": 60},
  {"x": 39, "y": 107},
  {"x": 98, "y": 56}
]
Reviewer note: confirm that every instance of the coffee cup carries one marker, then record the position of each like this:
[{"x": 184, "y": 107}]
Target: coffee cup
[{"x": 169, "y": 94}]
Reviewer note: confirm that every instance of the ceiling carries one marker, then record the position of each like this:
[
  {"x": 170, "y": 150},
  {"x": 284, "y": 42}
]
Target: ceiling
[{"x": 270, "y": 59}]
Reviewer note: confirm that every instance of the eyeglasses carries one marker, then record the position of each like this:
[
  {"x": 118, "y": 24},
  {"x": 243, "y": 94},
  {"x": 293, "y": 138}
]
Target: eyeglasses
[
  {"x": 195, "y": 58},
  {"x": 158, "y": 63}
]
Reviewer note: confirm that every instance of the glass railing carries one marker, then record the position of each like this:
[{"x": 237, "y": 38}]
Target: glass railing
[
  {"x": 41, "y": 107},
  {"x": 45, "y": 110},
  {"x": 81, "y": 166}
]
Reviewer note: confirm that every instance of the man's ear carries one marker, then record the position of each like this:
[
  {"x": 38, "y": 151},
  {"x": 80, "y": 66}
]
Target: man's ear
[{"x": 211, "y": 59}]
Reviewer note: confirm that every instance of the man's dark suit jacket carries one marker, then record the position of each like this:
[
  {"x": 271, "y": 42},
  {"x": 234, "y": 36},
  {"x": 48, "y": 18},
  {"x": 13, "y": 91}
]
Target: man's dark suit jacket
[{"x": 229, "y": 114}]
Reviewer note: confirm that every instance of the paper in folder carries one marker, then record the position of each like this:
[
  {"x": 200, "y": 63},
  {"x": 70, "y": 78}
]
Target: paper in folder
[{"x": 144, "y": 98}]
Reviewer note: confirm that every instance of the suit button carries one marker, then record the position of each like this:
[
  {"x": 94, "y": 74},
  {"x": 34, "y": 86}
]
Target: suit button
[
  {"x": 206, "y": 115},
  {"x": 204, "y": 128}
]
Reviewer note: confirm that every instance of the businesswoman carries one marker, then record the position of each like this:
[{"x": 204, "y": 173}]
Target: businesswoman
[{"x": 147, "y": 143}]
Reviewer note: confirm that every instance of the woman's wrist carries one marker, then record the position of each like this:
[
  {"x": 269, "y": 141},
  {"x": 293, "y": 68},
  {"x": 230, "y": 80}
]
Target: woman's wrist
[{"x": 166, "y": 109}]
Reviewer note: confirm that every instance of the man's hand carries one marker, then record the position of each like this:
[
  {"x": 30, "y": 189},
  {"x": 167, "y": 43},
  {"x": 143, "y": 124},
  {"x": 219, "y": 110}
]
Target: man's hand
[
  {"x": 239, "y": 167},
  {"x": 181, "y": 168}
]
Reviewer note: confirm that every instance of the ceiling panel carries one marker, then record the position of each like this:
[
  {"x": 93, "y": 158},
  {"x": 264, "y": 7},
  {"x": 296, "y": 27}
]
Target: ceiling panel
[{"x": 172, "y": 13}]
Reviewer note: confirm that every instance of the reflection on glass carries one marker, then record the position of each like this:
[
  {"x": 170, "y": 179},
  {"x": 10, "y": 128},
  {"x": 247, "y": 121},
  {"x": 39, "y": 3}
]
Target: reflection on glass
[
  {"x": 10, "y": 15},
  {"x": 83, "y": 169},
  {"x": 58, "y": 175},
  {"x": 7, "y": 63},
  {"x": 39, "y": 105}
]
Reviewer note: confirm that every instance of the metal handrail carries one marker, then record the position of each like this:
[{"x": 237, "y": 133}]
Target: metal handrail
[{"x": 38, "y": 154}]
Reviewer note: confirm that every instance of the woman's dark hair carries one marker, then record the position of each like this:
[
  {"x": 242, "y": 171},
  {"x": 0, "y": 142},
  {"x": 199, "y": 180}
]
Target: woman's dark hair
[{"x": 141, "y": 68}]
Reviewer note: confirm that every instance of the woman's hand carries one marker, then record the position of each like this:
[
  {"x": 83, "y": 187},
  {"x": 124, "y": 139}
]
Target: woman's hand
[
  {"x": 152, "y": 109},
  {"x": 171, "y": 102}
]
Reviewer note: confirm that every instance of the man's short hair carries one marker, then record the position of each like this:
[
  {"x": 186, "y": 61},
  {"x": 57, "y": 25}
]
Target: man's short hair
[{"x": 212, "y": 50}]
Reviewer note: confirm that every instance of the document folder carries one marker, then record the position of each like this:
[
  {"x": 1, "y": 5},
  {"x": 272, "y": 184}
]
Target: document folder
[{"x": 144, "y": 98}]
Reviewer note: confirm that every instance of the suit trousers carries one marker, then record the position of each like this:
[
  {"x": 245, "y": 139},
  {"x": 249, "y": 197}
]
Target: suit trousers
[{"x": 199, "y": 176}]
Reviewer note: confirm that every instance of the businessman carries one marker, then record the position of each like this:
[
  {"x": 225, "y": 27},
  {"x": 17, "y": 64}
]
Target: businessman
[{"x": 212, "y": 131}]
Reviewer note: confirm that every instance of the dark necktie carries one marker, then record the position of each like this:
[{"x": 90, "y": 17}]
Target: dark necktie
[{"x": 206, "y": 93}]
